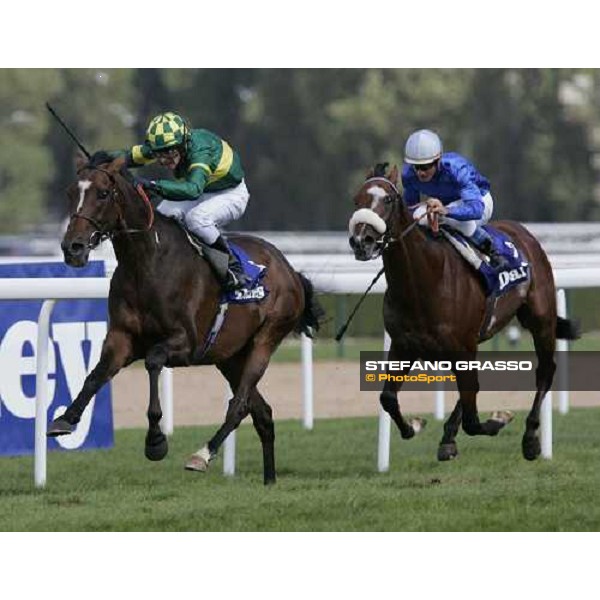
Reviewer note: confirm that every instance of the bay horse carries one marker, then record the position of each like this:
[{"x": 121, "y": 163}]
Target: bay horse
[
  {"x": 163, "y": 300},
  {"x": 435, "y": 304}
]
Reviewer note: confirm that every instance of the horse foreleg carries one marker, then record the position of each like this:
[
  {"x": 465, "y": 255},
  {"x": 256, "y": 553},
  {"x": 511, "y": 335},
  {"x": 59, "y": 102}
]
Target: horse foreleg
[
  {"x": 156, "y": 446},
  {"x": 389, "y": 402},
  {"x": 447, "y": 448},
  {"x": 116, "y": 352}
]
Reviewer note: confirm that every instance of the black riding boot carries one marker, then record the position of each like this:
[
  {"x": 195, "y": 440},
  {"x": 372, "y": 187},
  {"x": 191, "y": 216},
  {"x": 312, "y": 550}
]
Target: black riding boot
[
  {"x": 236, "y": 278},
  {"x": 483, "y": 241}
]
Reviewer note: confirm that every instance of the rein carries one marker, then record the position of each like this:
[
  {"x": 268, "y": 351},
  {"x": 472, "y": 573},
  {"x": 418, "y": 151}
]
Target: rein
[
  {"x": 101, "y": 234},
  {"x": 386, "y": 241}
]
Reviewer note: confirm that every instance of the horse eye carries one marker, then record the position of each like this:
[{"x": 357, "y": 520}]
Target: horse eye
[
  {"x": 102, "y": 194},
  {"x": 388, "y": 199}
]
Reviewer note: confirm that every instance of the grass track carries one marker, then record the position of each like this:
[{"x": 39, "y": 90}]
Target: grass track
[{"x": 327, "y": 481}]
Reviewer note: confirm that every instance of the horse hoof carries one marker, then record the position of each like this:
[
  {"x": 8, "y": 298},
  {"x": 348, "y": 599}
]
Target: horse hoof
[
  {"x": 416, "y": 425},
  {"x": 196, "y": 463},
  {"x": 157, "y": 451},
  {"x": 60, "y": 426},
  {"x": 531, "y": 448},
  {"x": 447, "y": 452},
  {"x": 502, "y": 416}
]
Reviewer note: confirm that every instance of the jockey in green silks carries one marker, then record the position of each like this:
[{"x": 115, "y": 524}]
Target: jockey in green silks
[{"x": 209, "y": 190}]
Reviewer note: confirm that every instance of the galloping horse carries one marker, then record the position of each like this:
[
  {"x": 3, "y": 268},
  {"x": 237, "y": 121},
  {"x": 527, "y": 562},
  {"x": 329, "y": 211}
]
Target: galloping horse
[
  {"x": 435, "y": 304},
  {"x": 163, "y": 299}
]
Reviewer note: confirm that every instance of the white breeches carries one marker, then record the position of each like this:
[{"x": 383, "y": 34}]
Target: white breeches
[
  {"x": 206, "y": 214},
  {"x": 467, "y": 228}
]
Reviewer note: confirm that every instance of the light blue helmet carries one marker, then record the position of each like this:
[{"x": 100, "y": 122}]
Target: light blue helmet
[{"x": 422, "y": 147}]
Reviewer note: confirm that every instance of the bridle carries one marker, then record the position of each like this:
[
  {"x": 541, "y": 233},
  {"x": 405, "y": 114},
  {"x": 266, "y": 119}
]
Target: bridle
[
  {"x": 395, "y": 198},
  {"x": 101, "y": 232}
]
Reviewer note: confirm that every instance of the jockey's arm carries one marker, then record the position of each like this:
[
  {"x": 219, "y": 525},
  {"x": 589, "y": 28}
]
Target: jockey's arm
[
  {"x": 189, "y": 188},
  {"x": 196, "y": 178},
  {"x": 470, "y": 207}
]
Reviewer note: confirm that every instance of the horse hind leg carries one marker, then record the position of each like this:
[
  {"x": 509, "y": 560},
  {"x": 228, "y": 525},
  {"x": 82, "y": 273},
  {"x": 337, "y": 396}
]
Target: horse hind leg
[
  {"x": 262, "y": 418},
  {"x": 232, "y": 371},
  {"x": 468, "y": 387},
  {"x": 544, "y": 339},
  {"x": 243, "y": 373}
]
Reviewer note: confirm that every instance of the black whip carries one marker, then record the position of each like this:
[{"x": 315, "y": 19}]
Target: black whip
[
  {"x": 68, "y": 131},
  {"x": 342, "y": 330}
]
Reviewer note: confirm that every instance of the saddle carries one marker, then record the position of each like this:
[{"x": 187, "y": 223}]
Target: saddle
[
  {"x": 219, "y": 261},
  {"x": 495, "y": 283}
]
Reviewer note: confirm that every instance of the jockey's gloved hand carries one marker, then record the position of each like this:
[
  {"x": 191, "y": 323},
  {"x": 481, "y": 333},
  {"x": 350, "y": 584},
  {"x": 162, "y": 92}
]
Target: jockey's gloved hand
[
  {"x": 100, "y": 158},
  {"x": 147, "y": 184}
]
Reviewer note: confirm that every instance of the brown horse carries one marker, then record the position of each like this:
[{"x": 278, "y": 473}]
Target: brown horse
[
  {"x": 163, "y": 300},
  {"x": 436, "y": 304}
]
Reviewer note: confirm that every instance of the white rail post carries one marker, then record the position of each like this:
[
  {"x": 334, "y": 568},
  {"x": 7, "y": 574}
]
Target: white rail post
[
  {"x": 307, "y": 382},
  {"x": 562, "y": 346},
  {"x": 383, "y": 447},
  {"x": 546, "y": 426},
  {"x": 41, "y": 394},
  {"x": 439, "y": 401},
  {"x": 229, "y": 444},
  {"x": 166, "y": 396}
]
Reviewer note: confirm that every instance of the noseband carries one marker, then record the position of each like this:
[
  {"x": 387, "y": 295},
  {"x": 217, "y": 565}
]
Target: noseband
[{"x": 101, "y": 233}]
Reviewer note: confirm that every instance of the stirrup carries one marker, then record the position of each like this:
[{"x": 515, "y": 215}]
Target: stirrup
[
  {"x": 236, "y": 281},
  {"x": 498, "y": 262}
]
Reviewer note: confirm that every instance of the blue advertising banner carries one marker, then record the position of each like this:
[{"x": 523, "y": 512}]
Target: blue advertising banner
[{"x": 77, "y": 330}]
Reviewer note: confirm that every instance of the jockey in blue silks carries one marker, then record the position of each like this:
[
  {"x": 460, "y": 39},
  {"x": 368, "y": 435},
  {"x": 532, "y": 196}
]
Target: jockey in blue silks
[{"x": 454, "y": 189}]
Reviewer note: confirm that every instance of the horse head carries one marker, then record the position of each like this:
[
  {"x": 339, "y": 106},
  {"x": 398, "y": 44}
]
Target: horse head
[
  {"x": 375, "y": 202},
  {"x": 100, "y": 197}
]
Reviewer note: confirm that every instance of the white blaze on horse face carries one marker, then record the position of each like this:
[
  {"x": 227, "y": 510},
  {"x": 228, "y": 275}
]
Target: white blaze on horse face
[
  {"x": 84, "y": 186},
  {"x": 377, "y": 193}
]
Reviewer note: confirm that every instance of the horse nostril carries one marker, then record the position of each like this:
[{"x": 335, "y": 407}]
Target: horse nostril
[
  {"x": 76, "y": 248},
  {"x": 352, "y": 243},
  {"x": 369, "y": 239}
]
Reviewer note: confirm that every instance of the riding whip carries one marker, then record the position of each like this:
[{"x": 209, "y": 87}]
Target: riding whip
[
  {"x": 68, "y": 131},
  {"x": 342, "y": 330}
]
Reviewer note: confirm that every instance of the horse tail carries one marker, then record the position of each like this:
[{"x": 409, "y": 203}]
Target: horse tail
[
  {"x": 567, "y": 329},
  {"x": 313, "y": 313}
]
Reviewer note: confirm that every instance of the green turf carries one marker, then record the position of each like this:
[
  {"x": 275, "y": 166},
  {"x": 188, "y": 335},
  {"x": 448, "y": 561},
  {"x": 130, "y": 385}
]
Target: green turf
[{"x": 327, "y": 481}]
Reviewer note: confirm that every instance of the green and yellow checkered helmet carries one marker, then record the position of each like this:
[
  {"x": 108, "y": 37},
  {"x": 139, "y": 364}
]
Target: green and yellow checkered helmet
[{"x": 166, "y": 130}]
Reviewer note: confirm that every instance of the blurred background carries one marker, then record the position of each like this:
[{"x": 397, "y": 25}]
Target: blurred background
[{"x": 307, "y": 138}]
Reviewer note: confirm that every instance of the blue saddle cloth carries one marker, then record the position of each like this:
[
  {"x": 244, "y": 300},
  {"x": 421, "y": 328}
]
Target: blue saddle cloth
[
  {"x": 256, "y": 291},
  {"x": 518, "y": 271}
]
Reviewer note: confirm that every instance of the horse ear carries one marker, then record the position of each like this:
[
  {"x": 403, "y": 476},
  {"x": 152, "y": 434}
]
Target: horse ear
[
  {"x": 117, "y": 164},
  {"x": 80, "y": 161},
  {"x": 370, "y": 173},
  {"x": 393, "y": 176}
]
